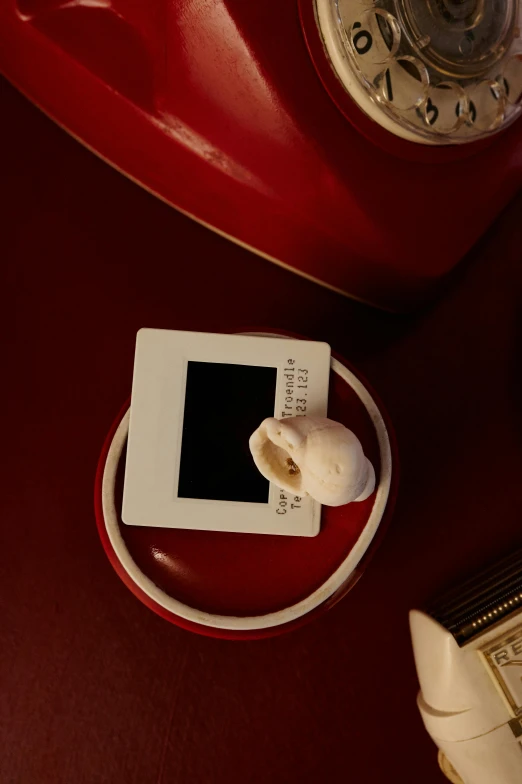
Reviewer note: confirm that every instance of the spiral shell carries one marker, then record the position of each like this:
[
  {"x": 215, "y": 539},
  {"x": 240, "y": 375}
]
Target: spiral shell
[{"x": 313, "y": 456}]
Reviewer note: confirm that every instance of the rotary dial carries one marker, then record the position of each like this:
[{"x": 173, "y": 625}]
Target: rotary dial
[{"x": 432, "y": 71}]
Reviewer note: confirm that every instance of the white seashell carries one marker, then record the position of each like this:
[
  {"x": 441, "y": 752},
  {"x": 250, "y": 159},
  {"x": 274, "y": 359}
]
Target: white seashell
[{"x": 313, "y": 456}]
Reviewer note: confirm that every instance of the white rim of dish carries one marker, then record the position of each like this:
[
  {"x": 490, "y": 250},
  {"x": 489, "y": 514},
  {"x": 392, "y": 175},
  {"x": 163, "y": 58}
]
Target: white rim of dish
[{"x": 280, "y": 617}]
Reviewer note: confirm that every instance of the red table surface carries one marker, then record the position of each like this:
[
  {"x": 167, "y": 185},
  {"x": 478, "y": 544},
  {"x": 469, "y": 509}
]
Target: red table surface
[{"x": 94, "y": 687}]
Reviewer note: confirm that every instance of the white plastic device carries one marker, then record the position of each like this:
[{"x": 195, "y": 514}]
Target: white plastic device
[{"x": 470, "y": 674}]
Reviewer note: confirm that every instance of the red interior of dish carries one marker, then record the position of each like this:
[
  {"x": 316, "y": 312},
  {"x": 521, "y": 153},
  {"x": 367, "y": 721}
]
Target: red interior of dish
[{"x": 243, "y": 574}]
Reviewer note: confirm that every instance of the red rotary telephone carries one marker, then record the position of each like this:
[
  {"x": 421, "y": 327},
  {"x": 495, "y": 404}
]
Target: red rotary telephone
[{"x": 366, "y": 145}]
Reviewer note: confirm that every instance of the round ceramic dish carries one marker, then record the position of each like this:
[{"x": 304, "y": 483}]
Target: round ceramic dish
[{"x": 244, "y": 586}]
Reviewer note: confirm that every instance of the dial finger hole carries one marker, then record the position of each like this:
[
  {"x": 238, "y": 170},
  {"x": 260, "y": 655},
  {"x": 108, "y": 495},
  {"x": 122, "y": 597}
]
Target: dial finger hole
[
  {"x": 487, "y": 105},
  {"x": 403, "y": 84},
  {"x": 376, "y": 36},
  {"x": 511, "y": 78},
  {"x": 446, "y": 107}
]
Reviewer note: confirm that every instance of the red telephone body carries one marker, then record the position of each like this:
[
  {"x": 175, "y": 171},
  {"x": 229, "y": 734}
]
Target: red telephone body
[{"x": 229, "y": 111}]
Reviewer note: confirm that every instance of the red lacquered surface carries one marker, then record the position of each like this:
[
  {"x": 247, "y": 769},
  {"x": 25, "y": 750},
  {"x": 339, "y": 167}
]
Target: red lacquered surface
[
  {"x": 216, "y": 106},
  {"x": 97, "y": 689},
  {"x": 241, "y": 575}
]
